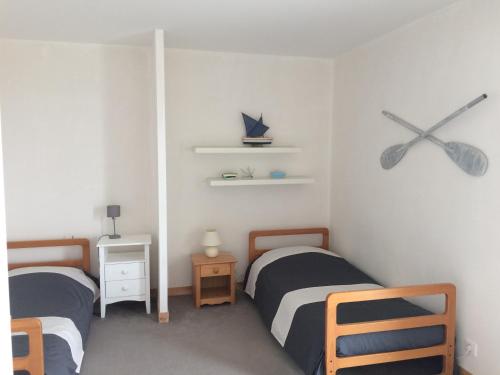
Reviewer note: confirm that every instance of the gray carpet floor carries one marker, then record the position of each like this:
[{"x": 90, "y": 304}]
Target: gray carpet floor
[{"x": 216, "y": 340}]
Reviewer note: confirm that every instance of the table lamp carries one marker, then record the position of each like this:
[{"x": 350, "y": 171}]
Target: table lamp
[
  {"x": 113, "y": 211},
  {"x": 211, "y": 240}
]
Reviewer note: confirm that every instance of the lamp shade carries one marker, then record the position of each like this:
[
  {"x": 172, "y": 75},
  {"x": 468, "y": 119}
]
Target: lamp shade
[
  {"x": 113, "y": 210},
  {"x": 211, "y": 238}
]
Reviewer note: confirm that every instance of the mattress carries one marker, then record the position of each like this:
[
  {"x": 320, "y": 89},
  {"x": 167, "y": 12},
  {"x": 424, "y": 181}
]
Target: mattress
[
  {"x": 62, "y": 298},
  {"x": 289, "y": 287}
]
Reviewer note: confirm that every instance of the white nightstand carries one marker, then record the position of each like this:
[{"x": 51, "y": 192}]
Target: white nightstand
[{"x": 124, "y": 276}]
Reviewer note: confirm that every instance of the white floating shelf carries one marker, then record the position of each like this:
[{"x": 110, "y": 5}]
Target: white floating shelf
[
  {"x": 248, "y": 150},
  {"x": 292, "y": 180}
]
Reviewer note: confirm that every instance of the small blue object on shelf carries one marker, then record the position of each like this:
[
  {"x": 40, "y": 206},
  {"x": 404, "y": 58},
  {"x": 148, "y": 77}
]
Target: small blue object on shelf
[{"x": 278, "y": 174}]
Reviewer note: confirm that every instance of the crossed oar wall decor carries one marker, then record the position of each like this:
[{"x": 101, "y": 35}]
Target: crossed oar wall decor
[{"x": 469, "y": 158}]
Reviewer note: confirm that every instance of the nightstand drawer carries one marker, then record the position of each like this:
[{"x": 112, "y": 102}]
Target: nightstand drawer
[
  {"x": 124, "y": 271},
  {"x": 215, "y": 270},
  {"x": 125, "y": 288}
]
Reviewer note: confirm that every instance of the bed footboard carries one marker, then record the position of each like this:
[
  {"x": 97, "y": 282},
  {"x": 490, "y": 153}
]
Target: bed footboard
[
  {"x": 334, "y": 330},
  {"x": 33, "y": 361}
]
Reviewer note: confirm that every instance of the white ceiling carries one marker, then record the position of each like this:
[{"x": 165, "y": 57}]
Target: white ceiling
[{"x": 322, "y": 28}]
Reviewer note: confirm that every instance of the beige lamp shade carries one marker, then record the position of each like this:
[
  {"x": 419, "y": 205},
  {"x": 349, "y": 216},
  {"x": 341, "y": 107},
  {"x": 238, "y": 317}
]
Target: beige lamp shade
[{"x": 211, "y": 238}]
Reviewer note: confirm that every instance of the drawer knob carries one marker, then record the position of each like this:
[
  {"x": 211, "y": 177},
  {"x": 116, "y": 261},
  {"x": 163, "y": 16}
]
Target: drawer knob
[
  {"x": 216, "y": 270},
  {"x": 124, "y": 288},
  {"x": 124, "y": 272}
]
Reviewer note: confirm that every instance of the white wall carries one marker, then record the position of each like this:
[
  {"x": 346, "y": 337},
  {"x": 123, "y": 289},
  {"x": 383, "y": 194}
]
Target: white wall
[
  {"x": 78, "y": 134},
  {"x": 425, "y": 220},
  {"x": 206, "y": 91}
]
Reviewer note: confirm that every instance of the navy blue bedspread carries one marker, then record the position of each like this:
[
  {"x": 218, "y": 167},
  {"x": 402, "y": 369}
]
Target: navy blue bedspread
[
  {"x": 51, "y": 294},
  {"x": 305, "y": 340}
]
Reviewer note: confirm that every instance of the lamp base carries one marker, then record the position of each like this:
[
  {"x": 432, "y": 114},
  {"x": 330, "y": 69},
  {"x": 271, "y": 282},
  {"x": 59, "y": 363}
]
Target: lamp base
[
  {"x": 211, "y": 251},
  {"x": 114, "y": 236}
]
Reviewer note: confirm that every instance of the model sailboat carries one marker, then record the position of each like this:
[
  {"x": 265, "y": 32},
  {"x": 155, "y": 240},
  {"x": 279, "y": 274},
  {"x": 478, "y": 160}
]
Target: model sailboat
[{"x": 255, "y": 130}]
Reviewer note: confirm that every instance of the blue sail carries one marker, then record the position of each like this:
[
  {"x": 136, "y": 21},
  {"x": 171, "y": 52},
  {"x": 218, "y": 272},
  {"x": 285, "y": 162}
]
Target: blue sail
[{"x": 253, "y": 127}]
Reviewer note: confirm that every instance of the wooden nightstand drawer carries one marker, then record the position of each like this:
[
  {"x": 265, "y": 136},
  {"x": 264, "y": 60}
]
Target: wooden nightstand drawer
[
  {"x": 215, "y": 270},
  {"x": 125, "y": 288},
  {"x": 124, "y": 271}
]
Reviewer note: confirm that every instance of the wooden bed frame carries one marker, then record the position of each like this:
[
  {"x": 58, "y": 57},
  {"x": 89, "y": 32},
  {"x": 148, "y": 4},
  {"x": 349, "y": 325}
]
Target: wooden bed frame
[
  {"x": 33, "y": 362},
  {"x": 254, "y": 253},
  {"x": 334, "y": 330}
]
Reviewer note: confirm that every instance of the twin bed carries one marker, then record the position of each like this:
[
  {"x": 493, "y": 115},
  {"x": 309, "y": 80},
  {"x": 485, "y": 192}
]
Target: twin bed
[
  {"x": 51, "y": 305},
  {"x": 329, "y": 316}
]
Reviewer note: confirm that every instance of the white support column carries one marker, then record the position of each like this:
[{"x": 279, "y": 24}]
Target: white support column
[
  {"x": 159, "y": 64},
  {"x": 5, "y": 337},
  {"x": 102, "y": 283},
  {"x": 148, "y": 284}
]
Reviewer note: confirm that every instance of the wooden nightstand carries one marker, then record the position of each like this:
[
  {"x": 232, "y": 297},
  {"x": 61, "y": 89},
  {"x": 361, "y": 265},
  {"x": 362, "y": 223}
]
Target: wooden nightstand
[
  {"x": 214, "y": 280},
  {"x": 124, "y": 276}
]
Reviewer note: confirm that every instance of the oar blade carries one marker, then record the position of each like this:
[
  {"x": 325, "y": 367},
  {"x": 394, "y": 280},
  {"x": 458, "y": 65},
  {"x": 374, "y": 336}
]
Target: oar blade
[
  {"x": 469, "y": 158},
  {"x": 392, "y": 155}
]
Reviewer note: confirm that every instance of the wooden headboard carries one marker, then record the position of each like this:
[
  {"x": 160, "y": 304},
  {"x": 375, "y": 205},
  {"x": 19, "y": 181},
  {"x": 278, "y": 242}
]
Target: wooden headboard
[
  {"x": 83, "y": 262},
  {"x": 254, "y": 253}
]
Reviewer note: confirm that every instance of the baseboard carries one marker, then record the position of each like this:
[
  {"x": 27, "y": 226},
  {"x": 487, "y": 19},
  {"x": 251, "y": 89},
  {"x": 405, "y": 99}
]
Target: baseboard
[
  {"x": 462, "y": 371},
  {"x": 180, "y": 291},
  {"x": 163, "y": 317},
  {"x": 172, "y": 292}
]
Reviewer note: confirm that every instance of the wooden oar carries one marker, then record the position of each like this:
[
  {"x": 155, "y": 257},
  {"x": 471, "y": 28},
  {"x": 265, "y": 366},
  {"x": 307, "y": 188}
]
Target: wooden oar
[
  {"x": 392, "y": 155},
  {"x": 469, "y": 158}
]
